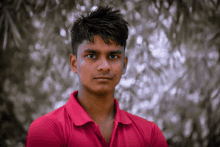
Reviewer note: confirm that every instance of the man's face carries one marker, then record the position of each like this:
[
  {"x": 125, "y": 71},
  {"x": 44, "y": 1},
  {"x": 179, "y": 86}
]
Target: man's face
[{"x": 99, "y": 66}]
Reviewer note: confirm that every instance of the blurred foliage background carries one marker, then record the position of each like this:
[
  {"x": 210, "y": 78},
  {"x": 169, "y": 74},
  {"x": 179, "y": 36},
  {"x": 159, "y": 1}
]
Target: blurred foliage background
[{"x": 173, "y": 75}]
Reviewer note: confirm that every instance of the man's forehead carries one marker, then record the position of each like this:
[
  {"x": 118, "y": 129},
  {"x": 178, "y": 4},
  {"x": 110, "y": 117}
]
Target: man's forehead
[{"x": 88, "y": 45}]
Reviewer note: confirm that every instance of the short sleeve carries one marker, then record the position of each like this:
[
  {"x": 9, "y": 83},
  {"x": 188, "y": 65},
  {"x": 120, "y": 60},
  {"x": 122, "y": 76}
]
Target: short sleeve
[
  {"x": 158, "y": 139},
  {"x": 44, "y": 132}
]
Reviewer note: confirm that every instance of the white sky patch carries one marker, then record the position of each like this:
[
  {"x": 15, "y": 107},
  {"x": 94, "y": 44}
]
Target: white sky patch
[
  {"x": 154, "y": 9},
  {"x": 67, "y": 93},
  {"x": 70, "y": 17},
  {"x": 158, "y": 45},
  {"x": 144, "y": 105},
  {"x": 194, "y": 97},
  {"x": 141, "y": 84},
  {"x": 154, "y": 100},
  {"x": 37, "y": 46},
  {"x": 134, "y": 109},
  {"x": 57, "y": 2},
  {"x": 78, "y": 6},
  {"x": 137, "y": 15},
  {"x": 150, "y": 118},
  {"x": 117, "y": 87},
  {"x": 151, "y": 46},
  {"x": 36, "y": 23},
  {"x": 141, "y": 67},
  {"x": 166, "y": 87},
  {"x": 128, "y": 67},
  {"x": 145, "y": 78},
  {"x": 130, "y": 5},
  {"x": 83, "y": 8},
  {"x": 167, "y": 22},
  {"x": 126, "y": 96},
  {"x": 146, "y": 91},
  {"x": 149, "y": 104},
  {"x": 55, "y": 60},
  {"x": 171, "y": 62},
  {"x": 214, "y": 93},
  {"x": 166, "y": 4},
  {"x": 66, "y": 41},
  {"x": 157, "y": 64},
  {"x": 160, "y": 123},
  {"x": 71, "y": 73},
  {"x": 159, "y": 52},
  {"x": 64, "y": 12},
  {"x": 46, "y": 83},
  {"x": 179, "y": 56},
  {"x": 174, "y": 119},
  {"x": 58, "y": 86},
  {"x": 188, "y": 127},
  {"x": 35, "y": 56},
  {"x": 173, "y": 91},
  {"x": 140, "y": 92},
  {"x": 63, "y": 32},
  {"x": 127, "y": 82},
  {"x": 215, "y": 103},
  {"x": 59, "y": 104},
  {"x": 156, "y": 110},
  {"x": 123, "y": 11},
  {"x": 213, "y": 55},
  {"x": 139, "y": 39},
  {"x": 172, "y": 10},
  {"x": 202, "y": 120},
  {"x": 132, "y": 31},
  {"x": 94, "y": 8}
]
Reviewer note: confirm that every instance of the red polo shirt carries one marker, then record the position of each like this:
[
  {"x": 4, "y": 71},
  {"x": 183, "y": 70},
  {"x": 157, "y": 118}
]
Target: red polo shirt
[{"x": 71, "y": 126}]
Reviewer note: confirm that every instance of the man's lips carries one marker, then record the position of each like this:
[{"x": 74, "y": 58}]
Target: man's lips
[{"x": 103, "y": 78}]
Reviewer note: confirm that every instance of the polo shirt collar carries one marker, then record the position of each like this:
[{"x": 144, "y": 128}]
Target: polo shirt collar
[{"x": 80, "y": 117}]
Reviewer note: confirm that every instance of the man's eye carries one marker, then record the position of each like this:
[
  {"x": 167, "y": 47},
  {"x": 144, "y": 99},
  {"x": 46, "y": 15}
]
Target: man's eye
[
  {"x": 113, "y": 56},
  {"x": 91, "y": 56}
]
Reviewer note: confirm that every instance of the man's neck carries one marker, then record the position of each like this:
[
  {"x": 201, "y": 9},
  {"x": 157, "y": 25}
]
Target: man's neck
[{"x": 99, "y": 108}]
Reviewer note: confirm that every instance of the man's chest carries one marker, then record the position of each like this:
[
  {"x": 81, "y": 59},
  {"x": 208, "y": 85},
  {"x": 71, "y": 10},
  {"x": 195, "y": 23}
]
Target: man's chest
[
  {"x": 106, "y": 130},
  {"x": 106, "y": 135}
]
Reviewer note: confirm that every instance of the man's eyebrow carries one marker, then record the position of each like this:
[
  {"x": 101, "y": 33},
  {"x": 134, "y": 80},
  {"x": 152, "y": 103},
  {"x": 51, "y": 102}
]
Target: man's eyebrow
[
  {"x": 116, "y": 52},
  {"x": 95, "y": 51},
  {"x": 90, "y": 51}
]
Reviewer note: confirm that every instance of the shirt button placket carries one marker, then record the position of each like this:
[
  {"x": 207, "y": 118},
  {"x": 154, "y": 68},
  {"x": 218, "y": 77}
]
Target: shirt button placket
[{"x": 101, "y": 138}]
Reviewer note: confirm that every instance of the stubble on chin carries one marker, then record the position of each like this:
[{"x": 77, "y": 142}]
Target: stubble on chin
[{"x": 99, "y": 91}]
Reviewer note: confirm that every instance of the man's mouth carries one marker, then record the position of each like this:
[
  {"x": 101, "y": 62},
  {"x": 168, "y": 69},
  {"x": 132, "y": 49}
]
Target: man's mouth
[{"x": 103, "y": 79}]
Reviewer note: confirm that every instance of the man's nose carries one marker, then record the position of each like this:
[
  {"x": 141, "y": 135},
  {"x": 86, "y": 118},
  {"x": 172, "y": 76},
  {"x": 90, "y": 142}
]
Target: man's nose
[{"x": 103, "y": 65}]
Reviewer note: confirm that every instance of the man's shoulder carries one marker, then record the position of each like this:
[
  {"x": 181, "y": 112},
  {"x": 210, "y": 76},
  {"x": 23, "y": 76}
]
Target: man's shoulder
[
  {"x": 151, "y": 131},
  {"x": 139, "y": 120},
  {"x": 54, "y": 117},
  {"x": 46, "y": 129}
]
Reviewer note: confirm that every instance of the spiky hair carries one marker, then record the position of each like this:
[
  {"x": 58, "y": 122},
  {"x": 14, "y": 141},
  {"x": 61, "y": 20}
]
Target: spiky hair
[{"x": 105, "y": 22}]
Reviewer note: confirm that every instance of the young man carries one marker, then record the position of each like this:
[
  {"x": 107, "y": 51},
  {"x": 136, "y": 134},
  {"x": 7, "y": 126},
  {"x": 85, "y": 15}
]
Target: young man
[{"x": 92, "y": 116}]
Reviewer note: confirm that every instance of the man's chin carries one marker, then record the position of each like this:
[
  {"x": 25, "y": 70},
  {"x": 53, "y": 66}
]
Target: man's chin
[{"x": 102, "y": 91}]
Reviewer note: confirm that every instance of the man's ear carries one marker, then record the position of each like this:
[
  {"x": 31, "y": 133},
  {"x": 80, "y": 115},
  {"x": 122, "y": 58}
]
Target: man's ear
[
  {"x": 125, "y": 65},
  {"x": 72, "y": 60}
]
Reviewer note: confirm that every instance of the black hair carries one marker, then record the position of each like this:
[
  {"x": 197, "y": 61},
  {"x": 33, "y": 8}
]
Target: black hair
[{"x": 105, "y": 22}]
